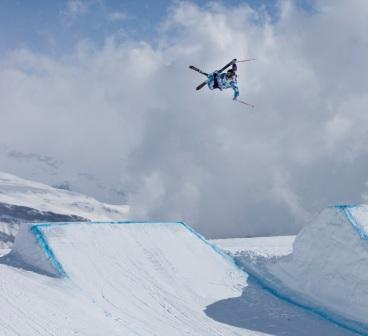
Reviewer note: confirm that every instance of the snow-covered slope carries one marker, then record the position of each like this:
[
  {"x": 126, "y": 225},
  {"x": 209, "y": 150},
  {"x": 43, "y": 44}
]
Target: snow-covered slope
[
  {"x": 17, "y": 191},
  {"x": 95, "y": 279},
  {"x": 327, "y": 270},
  {"x": 117, "y": 278},
  {"x": 143, "y": 279},
  {"x": 265, "y": 246},
  {"x": 27, "y": 201}
]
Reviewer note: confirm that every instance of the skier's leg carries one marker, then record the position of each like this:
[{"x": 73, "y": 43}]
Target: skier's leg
[
  {"x": 215, "y": 81},
  {"x": 211, "y": 81}
]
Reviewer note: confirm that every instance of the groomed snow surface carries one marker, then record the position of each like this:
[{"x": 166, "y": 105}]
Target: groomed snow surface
[{"x": 137, "y": 279}]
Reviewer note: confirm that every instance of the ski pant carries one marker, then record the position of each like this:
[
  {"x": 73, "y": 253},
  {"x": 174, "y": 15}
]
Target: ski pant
[{"x": 212, "y": 81}]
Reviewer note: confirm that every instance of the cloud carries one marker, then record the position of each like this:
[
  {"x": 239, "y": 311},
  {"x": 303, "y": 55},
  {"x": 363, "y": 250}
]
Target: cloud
[
  {"x": 127, "y": 112},
  {"x": 284, "y": 194},
  {"x": 117, "y": 16},
  {"x": 75, "y": 8}
]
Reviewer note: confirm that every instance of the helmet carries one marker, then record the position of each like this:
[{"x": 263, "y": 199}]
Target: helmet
[{"x": 230, "y": 73}]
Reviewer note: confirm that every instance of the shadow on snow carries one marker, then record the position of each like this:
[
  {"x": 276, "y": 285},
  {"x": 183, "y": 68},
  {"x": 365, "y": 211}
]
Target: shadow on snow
[{"x": 257, "y": 309}]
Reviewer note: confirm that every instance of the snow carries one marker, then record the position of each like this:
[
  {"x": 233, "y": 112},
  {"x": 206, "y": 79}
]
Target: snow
[
  {"x": 118, "y": 278},
  {"x": 23, "y": 201},
  {"x": 32, "y": 304},
  {"x": 7, "y": 234},
  {"x": 265, "y": 246},
  {"x": 4, "y": 251},
  {"x": 17, "y": 191},
  {"x": 108, "y": 277},
  {"x": 327, "y": 270},
  {"x": 32, "y": 252},
  {"x": 141, "y": 278}
]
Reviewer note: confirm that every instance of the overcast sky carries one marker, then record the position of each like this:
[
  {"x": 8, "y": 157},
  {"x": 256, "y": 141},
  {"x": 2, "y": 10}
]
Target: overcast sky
[{"x": 104, "y": 87}]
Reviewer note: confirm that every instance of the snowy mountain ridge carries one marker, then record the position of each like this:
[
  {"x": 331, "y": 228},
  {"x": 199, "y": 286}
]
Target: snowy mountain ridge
[
  {"x": 28, "y": 201},
  {"x": 54, "y": 171},
  {"x": 21, "y": 192}
]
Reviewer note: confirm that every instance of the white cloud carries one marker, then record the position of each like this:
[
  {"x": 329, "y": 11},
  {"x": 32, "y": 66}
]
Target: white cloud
[
  {"x": 75, "y": 8},
  {"x": 117, "y": 16},
  {"x": 128, "y": 113},
  {"x": 338, "y": 129},
  {"x": 283, "y": 193}
]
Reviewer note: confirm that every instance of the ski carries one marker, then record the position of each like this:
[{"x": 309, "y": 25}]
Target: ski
[
  {"x": 245, "y": 103},
  {"x": 227, "y": 65},
  {"x": 200, "y": 86},
  {"x": 198, "y": 70}
]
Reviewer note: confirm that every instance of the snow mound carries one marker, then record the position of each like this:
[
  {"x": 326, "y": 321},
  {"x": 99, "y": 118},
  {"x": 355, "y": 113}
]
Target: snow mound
[
  {"x": 157, "y": 278},
  {"x": 328, "y": 267}
]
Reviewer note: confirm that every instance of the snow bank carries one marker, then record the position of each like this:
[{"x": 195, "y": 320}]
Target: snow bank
[{"x": 328, "y": 268}]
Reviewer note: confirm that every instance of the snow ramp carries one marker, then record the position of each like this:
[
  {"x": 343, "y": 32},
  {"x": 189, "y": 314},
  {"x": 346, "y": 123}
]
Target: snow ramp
[
  {"x": 145, "y": 278},
  {"x": 328, "y": 268}
]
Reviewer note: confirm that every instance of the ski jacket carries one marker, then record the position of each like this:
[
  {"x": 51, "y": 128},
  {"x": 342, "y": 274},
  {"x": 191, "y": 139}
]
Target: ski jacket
[{"x": 223, "y": 83}]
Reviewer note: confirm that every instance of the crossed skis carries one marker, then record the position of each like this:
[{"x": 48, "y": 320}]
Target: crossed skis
[{"x": 200, "y": 86}]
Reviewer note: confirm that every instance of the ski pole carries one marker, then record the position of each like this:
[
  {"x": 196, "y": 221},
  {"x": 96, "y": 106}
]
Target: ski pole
[
  {"x": 245, "y": 103},
  {"x": 246, "y": 60}
]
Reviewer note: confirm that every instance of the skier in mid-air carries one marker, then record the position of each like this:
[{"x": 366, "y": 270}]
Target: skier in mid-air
[{"x": 223, "y": 80}]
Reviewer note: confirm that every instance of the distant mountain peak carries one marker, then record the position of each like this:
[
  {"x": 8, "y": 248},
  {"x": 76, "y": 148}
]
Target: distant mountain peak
[{"x": 25, "y": 201}]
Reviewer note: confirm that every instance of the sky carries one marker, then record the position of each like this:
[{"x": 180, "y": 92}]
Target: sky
[
  {"x": 100, "y": 90},
  {"x": 56, "y": 26}
]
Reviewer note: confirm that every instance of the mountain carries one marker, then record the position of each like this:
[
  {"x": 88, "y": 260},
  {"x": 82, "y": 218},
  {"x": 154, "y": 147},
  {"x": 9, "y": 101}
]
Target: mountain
[
  {"x": 24, "y": 201},
  {"x": 54, "y": 171}
]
